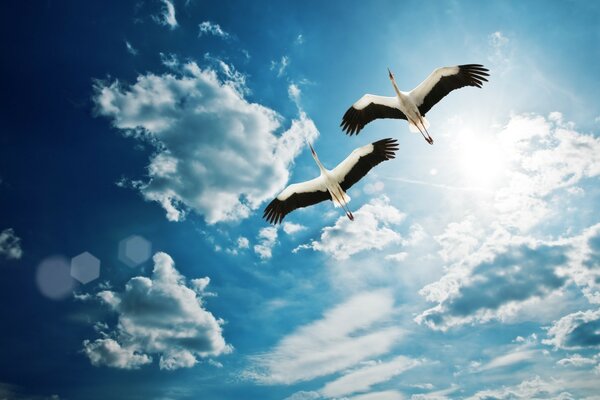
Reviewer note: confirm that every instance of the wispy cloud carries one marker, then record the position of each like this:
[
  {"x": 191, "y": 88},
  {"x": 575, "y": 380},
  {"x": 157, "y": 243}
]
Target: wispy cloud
[
  {"x": 363, "y": 378},
  {"x": 167, "y": 17},
  {"x": 347, "y": 334},
  {"x": 280, "y": 66},
  {"x": 10, "y": 245},
  {"x": 210, "y": 28},
  {"x": 534, "y": 388},
  {"x": 130, "y": 49}
]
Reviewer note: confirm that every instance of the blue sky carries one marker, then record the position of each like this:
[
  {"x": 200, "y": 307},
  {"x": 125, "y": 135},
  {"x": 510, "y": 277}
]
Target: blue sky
[{"x": 152, "y": 134}]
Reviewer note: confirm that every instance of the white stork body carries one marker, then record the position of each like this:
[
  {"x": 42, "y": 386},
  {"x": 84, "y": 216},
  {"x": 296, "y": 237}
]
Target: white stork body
[
  {"x": 412, "y": 106},
  {"x": 331, "y": 184}
]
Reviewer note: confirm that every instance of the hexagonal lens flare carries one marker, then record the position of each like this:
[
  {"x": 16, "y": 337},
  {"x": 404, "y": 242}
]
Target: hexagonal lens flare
[{"x": 134, "y": 250}]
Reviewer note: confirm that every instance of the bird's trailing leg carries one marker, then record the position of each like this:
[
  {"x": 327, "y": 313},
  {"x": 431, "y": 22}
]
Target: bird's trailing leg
[
  {"x": 344, "y": 206},
  {"x": 428, "y": 138}
]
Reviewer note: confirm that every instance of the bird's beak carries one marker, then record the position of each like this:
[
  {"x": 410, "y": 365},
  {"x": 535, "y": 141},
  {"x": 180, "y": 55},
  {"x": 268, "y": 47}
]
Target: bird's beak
[
  {"x": 391, "y": 75},
  {"x": 312, "y": 150}
]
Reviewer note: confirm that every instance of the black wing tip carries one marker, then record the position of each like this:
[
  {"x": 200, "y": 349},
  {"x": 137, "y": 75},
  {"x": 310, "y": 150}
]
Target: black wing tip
[
  {"x": 350, "y": 124},
  {"x": 387, "y": 147},
  {"x": 475, "y": 74},
  {"x": 273, "y": 213}
]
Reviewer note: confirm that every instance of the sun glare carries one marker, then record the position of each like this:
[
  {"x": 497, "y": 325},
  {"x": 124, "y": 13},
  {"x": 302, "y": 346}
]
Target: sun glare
[{"x": 481, "y": 160}]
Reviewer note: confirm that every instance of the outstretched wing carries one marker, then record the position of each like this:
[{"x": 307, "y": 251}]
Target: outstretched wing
[
  {"x": 368, "y": 108},
  {"x": 444, "y": 80},
  {"x": 361, "y": 160},
  {"x": 295, "y": 196}
]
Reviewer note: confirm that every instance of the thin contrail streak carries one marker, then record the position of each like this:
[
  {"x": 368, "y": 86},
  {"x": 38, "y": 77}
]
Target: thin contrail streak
[{"x": 437, "y": 185}]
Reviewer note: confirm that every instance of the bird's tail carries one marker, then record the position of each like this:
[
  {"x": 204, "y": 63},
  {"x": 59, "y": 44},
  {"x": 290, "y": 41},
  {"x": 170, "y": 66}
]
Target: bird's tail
[{"x": 423, "y": 125}]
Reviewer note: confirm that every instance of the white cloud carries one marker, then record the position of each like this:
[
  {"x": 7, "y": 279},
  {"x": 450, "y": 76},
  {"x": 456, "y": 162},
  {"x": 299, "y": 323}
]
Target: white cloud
[
  {"x": 383, "y": 395},
  {"x": 205, "y": 133},
  {"x": 459, "y": 239},
  {"x": 130, "y": 49},
  {"x": 371, "y": 229},
  {"x": 534, "y": 388},
  {"x": 294, "y": 93},
  {"x": 398, "y": 257},
  {"x": 299, "y": 39},
  {"x": 543, "y": 158},
  {"x": 500, "y": 56},
  {"x": 375, "y": 187},
  {"x": 508, "y": 275},
  {"x": 362, "y": 379},
  {"x": 351, "y": 332},
  {"x": 210, "y": 28},
  {"x": 497, "y": 39},
  {"x": 243, "y": 242},
  {"x": 167, "y": 17},
  {"x": 496, "y": 283},
  {"x": 436, "y": 395},
  {"x": 280, "y": 66},
  {"x": 10, "y": 245},
  {"x": 576, "y": 360},
  {"x": 158, "y": 315},
  {"x": 108, "y": 352},
  {"x": 304, "y": 395},
  {"x": 267, "y": 238},
  {"x": 290, "y": 228},
  {"x": 200, "y": 284},
  {"x": 509, "y": 359},
  {"x": 576, "y": 330}
]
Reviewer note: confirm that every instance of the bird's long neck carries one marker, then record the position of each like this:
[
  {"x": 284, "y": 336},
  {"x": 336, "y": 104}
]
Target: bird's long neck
[
  {"x": 316, "y": 158},
  {"x": 321, "y": 167},
  {"x": 398, "y": 92}
]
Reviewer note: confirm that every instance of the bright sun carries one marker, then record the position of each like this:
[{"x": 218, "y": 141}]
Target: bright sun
[{"x": 481, "y": 160}]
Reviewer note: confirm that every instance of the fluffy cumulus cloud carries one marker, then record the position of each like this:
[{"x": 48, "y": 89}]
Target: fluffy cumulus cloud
[
  {"x": 496, "y": 269},
  {"x": 507, "y": 274},
  {"x": 542, "y": 156},
  {"x": 353, "y": 331},
  {"x": 10, "y": 245},
  {"x": 496, "y": 287},
  {"x": 576, "y": 331},
  {"x": 161, "y": 316},
  {"x": 290, "y": 228},
  {"x": 372, "y": 229},
  {"x": 267, "y": 238},
  {"x": 210, "y": 28},
  {"x": 216, "y": 153}
]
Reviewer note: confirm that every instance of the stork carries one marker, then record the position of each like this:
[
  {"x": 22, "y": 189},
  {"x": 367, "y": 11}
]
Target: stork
[
  {"x": 412, "y": 106},
  {"x": 331, "y": 184}
]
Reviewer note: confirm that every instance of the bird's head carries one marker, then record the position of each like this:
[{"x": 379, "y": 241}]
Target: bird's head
[
  {"x": 312, "y": 150},
  {"x": 390, "y": 74}
]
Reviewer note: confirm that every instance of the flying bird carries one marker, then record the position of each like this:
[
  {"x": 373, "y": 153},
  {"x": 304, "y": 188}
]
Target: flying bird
[
  {"x": 412, "y": 106},
  {"x": 331, "y": 184}
]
